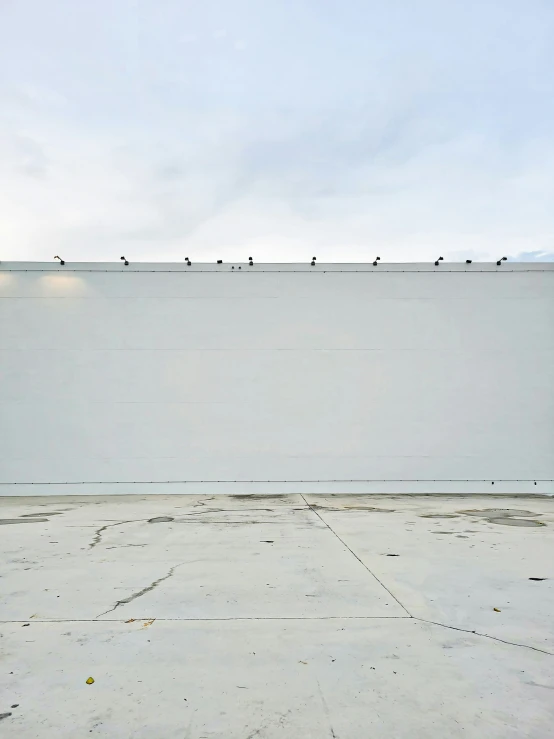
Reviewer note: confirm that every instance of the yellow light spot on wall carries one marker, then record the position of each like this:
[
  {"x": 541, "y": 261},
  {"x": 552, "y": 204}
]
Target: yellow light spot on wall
[
  {"x": 60, "y": 286},
  {"x": 7, "y": 282}
]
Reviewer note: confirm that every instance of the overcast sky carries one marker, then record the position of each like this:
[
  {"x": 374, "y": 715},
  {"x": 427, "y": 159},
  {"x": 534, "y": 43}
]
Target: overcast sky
[{"x": 280, "y": 129}]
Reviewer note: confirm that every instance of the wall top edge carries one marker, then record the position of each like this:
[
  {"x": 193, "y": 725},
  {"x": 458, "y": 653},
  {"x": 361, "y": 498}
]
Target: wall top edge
[{"x": 245, "y": 268}]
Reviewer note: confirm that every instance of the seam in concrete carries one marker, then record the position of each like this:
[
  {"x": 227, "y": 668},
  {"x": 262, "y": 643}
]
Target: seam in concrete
[
  {"x": 486, "y": 636},
  {"x": 229, "y": 618},
  {"x": 142, "y": 592},
  {"x": 355, "y": 555},
  {"x": 280, "y": 618}
]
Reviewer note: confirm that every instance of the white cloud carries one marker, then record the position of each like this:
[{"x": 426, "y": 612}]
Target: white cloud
[{"x": 322, "y": 137}]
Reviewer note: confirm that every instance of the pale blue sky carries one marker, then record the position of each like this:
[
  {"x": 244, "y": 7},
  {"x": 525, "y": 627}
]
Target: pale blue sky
[{"x": 276, "y": 128}]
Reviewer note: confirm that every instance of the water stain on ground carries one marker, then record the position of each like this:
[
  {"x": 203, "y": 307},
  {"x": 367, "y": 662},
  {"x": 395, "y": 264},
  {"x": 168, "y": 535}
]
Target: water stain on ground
[
  {"x": 38, "y": 515},
  {"x": 506, "y": 516},
  {"x": 373, "y": 509},
  {"x": 253, "y": 496},
  {"x": 497, "y": 512},
  {"x": 524, "y": 522},
  {"x": 161, "y": 519},
  {"x": 9, "y": 521},
  {"x": 210, "y": 522}
]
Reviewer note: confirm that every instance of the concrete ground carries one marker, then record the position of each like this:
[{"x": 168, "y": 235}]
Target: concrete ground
[{"x": 266, "y": 617}]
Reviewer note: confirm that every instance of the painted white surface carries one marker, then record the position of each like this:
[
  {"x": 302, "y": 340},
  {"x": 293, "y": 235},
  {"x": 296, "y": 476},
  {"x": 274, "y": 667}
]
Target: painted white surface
[
  {"x": 343, "y": 377},
  {"x": 269, "y": 625}
]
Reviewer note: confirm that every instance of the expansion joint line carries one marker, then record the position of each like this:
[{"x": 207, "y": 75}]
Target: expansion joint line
[{"x": 392, "y": 595}]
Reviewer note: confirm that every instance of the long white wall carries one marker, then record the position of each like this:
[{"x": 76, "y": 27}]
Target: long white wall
[{"x": 276, "y": 378}]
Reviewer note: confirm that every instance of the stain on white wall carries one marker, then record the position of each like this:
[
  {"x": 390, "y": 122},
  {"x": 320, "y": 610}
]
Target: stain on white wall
[{"x": 163, "y": 378}]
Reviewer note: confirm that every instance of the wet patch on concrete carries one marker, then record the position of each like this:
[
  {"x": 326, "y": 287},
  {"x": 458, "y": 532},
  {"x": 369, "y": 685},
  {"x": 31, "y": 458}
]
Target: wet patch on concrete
[
  {"x": 218, "y": 522},
  {"x": 498, "y": 512},
  {"x": 161, "y": 519},
  {"x": 442, "y": 532},
  {"x": 439, "y": 515},
  {"x": 38, "y": 515},
  {"x": 10, "y": 521},
  {"x": 371, "y": 509},
  {"x": 506, "y": 516},
  {"x": 524, "y": 522},
  {"x": 254, "y": 496}
]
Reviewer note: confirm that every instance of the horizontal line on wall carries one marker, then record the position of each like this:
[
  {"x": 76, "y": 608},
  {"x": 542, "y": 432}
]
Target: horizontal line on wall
[
  {"x": 284, "y": 297},
  {"x": 99, "y": 458},
  {"x": 545, "y": 267},
  {"x": 518, "y": 350},
  {"x": 245, "y": 482}
]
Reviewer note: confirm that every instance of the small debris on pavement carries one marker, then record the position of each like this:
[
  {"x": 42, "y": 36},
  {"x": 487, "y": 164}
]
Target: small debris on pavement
[
  {"x": 15, "y": 705},
  {"x": 130, "y": 620},
  {"x": 537, "y": 579},
  {"x": 496, "y": 609},
  {"x": 148, "y": 623},
  {"x": 90, "y": 680},
  {"x": 5, "y": 715}
]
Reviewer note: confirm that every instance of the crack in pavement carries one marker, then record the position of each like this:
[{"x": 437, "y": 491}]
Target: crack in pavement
[
  {"x": 326, "y": 710},
  {"x": 486, "y": 636},
  {"x": 142, "y": 592},
  {"x": 358, "y": 558},
  {"x": 98, "y": 533}
]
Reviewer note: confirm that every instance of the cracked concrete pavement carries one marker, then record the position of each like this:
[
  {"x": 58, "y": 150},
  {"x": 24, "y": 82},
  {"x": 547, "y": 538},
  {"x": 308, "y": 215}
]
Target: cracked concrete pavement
[{"x": 234, "y": 617}]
